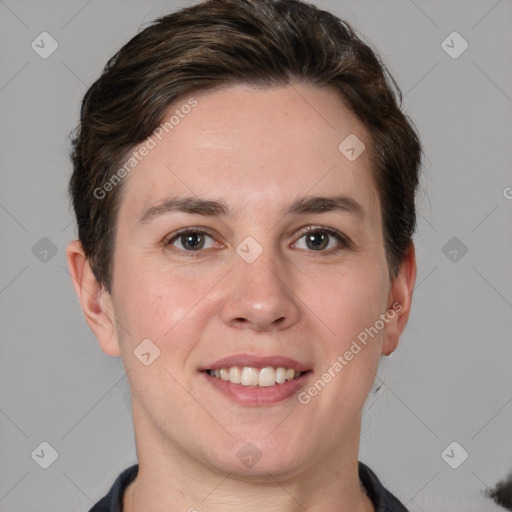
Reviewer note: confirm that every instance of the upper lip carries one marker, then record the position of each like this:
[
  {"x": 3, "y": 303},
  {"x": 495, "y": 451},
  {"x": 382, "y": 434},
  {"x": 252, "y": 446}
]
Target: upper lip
[{"x": 255, "y": 362}]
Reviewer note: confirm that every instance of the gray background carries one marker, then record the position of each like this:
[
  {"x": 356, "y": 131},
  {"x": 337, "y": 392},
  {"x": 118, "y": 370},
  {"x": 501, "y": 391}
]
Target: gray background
[{"x": 450, "y": 378}]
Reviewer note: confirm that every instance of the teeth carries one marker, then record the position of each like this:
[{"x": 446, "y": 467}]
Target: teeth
[
  {"x": 267, "y": 377},
  {"x": 280, "y": 375},
  {"x": 235, "y": 375},
  {"x": 249, "y": 376}
]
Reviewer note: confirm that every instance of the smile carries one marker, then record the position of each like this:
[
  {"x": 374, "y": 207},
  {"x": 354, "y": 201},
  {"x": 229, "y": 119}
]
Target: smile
[
  {"x": 250, "y": 376},
  {"x": 257, "y": 380}
]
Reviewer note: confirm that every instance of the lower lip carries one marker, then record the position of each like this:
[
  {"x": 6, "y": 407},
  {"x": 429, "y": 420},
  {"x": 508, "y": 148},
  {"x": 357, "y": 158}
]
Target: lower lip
[{"x": 257, "y": 395}]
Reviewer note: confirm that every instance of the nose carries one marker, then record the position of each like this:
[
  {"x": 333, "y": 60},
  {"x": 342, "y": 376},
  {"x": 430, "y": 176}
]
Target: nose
[{"x": 260, "y": 294}]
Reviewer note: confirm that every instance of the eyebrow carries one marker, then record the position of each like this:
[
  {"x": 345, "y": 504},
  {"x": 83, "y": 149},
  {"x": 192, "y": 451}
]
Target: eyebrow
[{"x": 213, "y": 208}]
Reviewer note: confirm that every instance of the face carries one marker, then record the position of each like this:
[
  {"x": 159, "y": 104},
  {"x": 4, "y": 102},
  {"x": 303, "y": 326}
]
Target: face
[{"x": 268, "y": 278}]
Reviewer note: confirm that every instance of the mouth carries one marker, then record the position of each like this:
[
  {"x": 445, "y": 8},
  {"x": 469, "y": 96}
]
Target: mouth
[
  {"x": 250, "y": 376},
  {"x": 256, "y": 381}
]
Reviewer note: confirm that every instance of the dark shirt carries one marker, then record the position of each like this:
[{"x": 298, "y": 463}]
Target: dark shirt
[{"x": 382, "y": 499}]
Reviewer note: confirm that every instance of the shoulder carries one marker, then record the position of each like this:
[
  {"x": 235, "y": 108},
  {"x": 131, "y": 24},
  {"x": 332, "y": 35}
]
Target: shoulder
[
  {"x": 381, "y": 498},
  {"x": 113, "y": 500}
]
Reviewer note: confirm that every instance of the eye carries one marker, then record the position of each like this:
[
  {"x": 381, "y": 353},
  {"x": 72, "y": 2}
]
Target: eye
[
  {"x": 191, "y": 240},
  {"x": 318, "y": 239}
]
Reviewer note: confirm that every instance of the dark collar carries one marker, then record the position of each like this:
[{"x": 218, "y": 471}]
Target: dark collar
[{"x": 382, "y": 499}]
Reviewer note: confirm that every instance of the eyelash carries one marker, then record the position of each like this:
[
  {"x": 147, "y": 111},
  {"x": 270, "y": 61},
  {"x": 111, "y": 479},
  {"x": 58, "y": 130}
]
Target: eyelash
[{"x": 344, "y": 241}]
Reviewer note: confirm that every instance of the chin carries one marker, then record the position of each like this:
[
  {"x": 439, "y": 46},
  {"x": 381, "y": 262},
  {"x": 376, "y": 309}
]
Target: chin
[{"x": 258, "y": 458}]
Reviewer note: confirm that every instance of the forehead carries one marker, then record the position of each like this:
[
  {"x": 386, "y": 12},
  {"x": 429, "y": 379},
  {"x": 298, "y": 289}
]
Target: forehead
[{"x": 256, "y": 147}]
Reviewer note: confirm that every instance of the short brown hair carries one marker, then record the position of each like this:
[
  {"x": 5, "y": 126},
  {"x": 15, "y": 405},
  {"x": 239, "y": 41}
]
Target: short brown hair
[{"x": 219, "y": 43}]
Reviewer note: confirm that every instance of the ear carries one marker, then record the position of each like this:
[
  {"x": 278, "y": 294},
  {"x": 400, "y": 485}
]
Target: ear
[
  {"x": 96, "y": 302},
  {"x": 399, "y": 302}
]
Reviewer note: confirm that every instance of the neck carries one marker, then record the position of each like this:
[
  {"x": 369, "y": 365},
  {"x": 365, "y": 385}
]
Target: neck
[{"x": 170, "y": 480}]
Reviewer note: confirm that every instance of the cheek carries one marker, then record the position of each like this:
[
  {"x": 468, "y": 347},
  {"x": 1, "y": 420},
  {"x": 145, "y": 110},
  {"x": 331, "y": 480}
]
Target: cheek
[
  {"x": 350, "y": 304},
  {"x": 156, "y": 303},
  {"x": 153, "y": 294},
  {"x": 346, "y": 302},
  {"x": 160, "y": 306}
]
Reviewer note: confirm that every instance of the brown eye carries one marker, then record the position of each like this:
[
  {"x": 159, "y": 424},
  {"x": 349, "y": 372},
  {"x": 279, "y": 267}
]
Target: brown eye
[
  {"x": 318, "y": 239},
  {"x": 190, "y": 240}
]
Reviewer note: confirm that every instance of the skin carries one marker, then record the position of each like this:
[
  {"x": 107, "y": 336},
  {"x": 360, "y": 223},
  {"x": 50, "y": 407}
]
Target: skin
[{"x": 258, "y": 150}]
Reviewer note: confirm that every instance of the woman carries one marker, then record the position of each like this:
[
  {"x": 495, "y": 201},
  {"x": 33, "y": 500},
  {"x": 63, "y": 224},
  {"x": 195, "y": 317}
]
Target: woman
[{"x": 244, "y": 185}]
